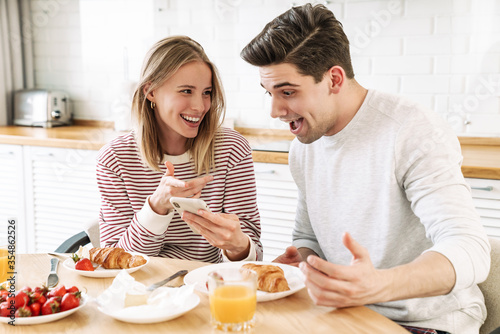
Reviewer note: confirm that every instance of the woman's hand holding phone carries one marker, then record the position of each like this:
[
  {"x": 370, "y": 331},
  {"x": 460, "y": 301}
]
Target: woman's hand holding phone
[
  {"x": 221, "y": 230},
  {"x": 191, "y": 205},
  {"x": 171, "y": 187}
]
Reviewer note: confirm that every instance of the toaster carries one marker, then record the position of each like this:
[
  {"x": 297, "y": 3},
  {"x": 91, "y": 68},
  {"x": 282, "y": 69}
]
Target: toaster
[{"x": 41, "y": 107}]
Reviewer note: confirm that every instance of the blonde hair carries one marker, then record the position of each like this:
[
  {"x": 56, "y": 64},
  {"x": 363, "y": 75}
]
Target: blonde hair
[{"x": 161, "y": 62}]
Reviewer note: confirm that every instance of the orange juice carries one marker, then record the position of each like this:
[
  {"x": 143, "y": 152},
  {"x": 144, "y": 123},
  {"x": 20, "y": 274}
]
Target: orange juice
[
  {"x": 233, "y": 303},
  {"x": 4, "y": 254}
]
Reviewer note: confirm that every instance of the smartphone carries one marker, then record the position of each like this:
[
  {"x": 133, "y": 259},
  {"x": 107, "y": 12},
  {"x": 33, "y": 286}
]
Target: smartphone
[{"x": 192, "y": 205}]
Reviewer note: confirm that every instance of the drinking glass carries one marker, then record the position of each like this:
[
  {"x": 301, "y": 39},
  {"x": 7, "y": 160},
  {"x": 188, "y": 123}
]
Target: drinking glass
[
  {"x": 4, "y": 254},
  {"x": 233, "y": 299}
]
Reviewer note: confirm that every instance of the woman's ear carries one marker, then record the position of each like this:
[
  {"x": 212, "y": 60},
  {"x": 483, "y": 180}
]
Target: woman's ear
[
  {"x": 337, "y": 77},
  {"x": 149, "y": 94}
]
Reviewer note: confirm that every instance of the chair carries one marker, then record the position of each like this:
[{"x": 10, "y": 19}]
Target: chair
[
  {"x": 90, "y": 234},
  {"x": 491, "y": 290}
]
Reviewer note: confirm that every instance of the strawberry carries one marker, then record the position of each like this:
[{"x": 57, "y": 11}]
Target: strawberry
[
  {"x": 25, "y": 289},
  {"x": 37, "y": 297},
  {"x": 58, "y": 292},
  {"x": 35, "y": 309},
  {"x": 4, "y": 310},
  {"x": 51, "y": 306},
  {"x": 42, "y": 290},
  {"x": 21, "y": 299},
  {"x": 70, "y": 300},
  {"x": 72, "y": 289},
  {"x": 4, "y": 294},
  {"x": 23, "y": 312},
  {"x": 75, "y": 258},
  {"x": 84, "y": 264}
]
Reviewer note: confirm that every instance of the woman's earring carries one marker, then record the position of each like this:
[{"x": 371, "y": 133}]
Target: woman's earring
[{"x": 153, "y": 105}]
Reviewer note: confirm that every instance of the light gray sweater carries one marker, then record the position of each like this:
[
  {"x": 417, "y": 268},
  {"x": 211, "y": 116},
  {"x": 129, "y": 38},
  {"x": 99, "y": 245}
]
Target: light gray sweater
[{"x": 392, "y": 179}]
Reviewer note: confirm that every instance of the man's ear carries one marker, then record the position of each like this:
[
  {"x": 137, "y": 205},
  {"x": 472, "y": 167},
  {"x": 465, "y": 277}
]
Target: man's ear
[
  {"x": 337, "y": 78},
  {"x": 149, "y": 94}
]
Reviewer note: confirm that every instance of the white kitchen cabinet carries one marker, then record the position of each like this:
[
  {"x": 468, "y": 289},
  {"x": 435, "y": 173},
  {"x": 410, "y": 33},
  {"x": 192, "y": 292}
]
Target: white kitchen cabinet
[
  {"x": 12, "y": 192},
  {"x": 52, "y": 192},
  {"x": 486, "y": 196},
  {"x": 277, "y": 201},
  {"x": 61, "y": 194}
]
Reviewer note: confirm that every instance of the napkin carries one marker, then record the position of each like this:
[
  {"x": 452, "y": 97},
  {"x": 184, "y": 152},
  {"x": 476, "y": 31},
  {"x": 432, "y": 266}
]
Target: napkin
[
  {"x": 160, "y": 302},
  {"x": 83, "y": 252}
]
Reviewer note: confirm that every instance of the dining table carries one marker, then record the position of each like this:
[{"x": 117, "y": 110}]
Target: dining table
[{"x": 295, "y": 313}]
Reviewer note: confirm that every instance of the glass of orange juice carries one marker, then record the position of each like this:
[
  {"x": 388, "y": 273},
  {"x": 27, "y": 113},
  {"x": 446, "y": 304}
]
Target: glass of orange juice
[
  {"x": 233, "y": 299},
  {"x": 4, "y": 269}
]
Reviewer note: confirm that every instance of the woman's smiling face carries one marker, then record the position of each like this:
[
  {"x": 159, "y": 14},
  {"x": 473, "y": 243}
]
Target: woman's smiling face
[{"x": 182, "y": 101}]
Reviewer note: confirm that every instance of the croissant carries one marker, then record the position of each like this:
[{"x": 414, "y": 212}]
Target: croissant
[
  {"x": 269, "y": 278},
  {"x": 115, "y": 258}
]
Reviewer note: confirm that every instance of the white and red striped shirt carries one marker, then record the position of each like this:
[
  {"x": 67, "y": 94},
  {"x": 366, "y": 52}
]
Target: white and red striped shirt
[{"x": 127, "y": 221}]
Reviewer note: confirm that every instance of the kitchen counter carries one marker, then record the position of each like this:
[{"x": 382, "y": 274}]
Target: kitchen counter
[
  {"x": 86, "y": 137},
  {"x": 481, "y": 154},
  {"x": 481, "y": 158}
]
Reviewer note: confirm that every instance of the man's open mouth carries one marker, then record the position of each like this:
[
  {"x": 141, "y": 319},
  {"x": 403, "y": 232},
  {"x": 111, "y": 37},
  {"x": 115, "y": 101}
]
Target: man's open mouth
[{"x": 295, "y": 124}]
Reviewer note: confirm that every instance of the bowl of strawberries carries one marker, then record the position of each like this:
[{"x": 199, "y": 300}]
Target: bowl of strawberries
[{"x": 29, "y": 306}]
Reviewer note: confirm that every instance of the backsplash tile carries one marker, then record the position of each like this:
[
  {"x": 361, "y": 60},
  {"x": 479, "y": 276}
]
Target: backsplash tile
[{"x": 443, "y": 53}]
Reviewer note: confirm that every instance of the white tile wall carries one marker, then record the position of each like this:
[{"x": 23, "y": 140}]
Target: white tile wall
[{"x": 443, "y": 53}]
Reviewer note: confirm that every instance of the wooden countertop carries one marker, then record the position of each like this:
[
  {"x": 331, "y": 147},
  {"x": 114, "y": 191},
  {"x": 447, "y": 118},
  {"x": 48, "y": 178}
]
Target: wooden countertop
[
  {"x": 481, "y": 154},
  {"x": 293, "y": 314},
  {"x": 76, "y": 136},
  {"x": 481, "y": 157}
]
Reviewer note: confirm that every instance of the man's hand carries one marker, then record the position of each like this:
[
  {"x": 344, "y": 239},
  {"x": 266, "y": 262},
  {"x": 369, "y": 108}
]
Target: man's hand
[
  {"x": 291, "y": 257},
  {"x": 339, "y": 286},
  {"x": 328, "y": 284},
  {"x": 294, "y": 256}
]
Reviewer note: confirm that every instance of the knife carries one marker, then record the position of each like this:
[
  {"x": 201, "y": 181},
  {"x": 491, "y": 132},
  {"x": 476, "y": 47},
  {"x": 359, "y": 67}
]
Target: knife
[
  {"x": 60, "y": 254},
  {"x": 168, "y": 279},
  {"x": 53, "y": 279}
]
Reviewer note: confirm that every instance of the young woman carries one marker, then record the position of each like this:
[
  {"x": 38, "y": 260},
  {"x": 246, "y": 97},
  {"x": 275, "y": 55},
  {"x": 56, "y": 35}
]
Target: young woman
[{"x": 179, "y": 149}]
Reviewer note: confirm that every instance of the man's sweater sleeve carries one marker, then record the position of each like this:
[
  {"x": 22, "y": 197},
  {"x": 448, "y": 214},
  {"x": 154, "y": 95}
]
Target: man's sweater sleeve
[{"x": 428, "y": 168}]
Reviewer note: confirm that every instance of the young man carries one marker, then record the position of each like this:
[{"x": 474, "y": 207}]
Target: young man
[{"x": 384, "y": 215}]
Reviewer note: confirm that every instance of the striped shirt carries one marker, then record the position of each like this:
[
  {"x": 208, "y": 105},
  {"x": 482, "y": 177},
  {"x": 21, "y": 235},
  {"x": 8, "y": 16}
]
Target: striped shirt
[{"x": 125, "y": 183}]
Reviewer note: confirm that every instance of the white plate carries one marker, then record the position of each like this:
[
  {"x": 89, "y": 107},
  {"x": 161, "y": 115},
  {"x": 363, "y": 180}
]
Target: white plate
[
  {"x": 41, "y": 319},
  {"x": 293, "y": 275},
  {"x": 189, "y": 303},
  {"x": 100, "y": 271}
]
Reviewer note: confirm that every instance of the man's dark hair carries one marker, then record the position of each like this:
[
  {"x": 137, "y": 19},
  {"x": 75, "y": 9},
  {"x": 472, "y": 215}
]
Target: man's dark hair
[{"x": 309, "y": 37}]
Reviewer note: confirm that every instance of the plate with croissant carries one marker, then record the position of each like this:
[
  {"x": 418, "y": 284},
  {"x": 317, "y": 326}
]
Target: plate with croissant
[
  {"x": 274, "y": 280},
  {"x": 108, "y": 261}
]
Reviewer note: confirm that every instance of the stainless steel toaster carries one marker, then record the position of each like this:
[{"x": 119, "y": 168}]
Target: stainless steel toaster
[{"x": 41, "y": 107}]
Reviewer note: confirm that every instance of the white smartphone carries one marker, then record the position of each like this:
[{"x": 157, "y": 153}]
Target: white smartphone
[{"x": 192, "y": 205}]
